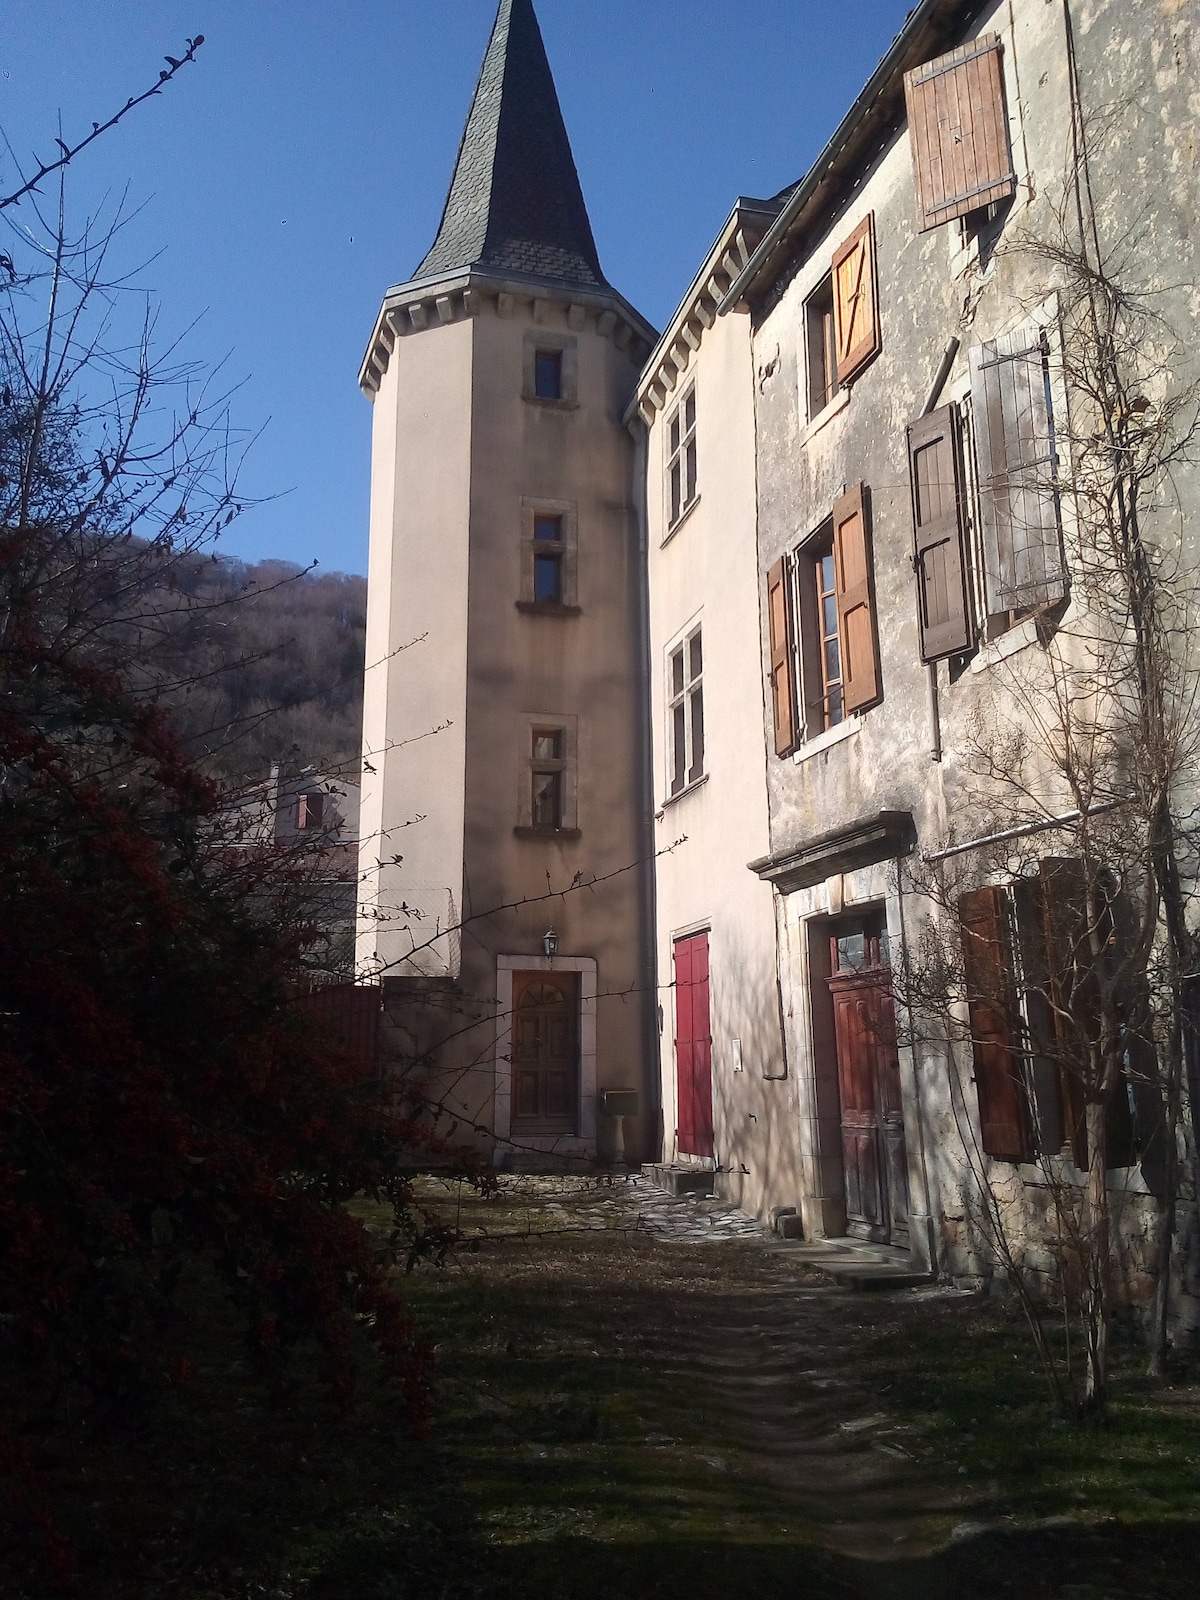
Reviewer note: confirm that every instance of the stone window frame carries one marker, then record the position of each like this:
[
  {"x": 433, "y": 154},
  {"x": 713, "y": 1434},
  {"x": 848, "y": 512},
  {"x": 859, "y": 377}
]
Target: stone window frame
[
  {"x": 529, "y": 723},
  {"x": 543, "y": 339},
  {"x": 567, "y": 548},
  {"x": 583, "y": 1142}
]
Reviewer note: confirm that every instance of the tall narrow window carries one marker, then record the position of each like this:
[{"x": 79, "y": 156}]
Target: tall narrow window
[
  {"x": 547, "y": 769},
  {"x": 685, "y": 682},
  {"x": 548, "y": 374},
  {"x": 681, "y": 464},
  {"x": 825, "y": 590},
  {"x": 549, "y": 549},
  {"x": 820, "y": 337}
]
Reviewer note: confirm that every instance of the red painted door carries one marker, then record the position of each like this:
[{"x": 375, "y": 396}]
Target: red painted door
[{"x": 693, "y": 1046}]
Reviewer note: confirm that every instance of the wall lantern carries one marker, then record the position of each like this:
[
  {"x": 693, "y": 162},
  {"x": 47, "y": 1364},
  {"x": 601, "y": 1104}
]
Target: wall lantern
[{"x": 550, "y": 943}]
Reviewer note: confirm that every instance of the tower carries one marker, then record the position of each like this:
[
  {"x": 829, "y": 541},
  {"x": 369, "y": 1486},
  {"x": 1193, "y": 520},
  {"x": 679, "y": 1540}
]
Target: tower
[{"x": 502, "y": 720}]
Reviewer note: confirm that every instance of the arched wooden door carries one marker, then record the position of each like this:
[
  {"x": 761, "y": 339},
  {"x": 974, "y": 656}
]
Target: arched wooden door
[
  {"x": 874, "y": 1156},
  {"x": 545, "y": 1052}
]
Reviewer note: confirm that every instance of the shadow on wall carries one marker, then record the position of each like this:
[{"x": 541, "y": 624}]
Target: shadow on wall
[{"x": 756, "y": 1129}]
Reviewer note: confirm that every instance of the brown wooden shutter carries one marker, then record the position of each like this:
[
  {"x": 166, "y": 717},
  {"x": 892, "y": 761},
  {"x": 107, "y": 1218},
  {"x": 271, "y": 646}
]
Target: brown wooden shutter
[
  {"x": 783, "y": 694},
  {"x": 856, "y": 608},
  {"x": 958, "y": 129},
  {"x": 943, "y": 598},
  {"x": 855, "y": 301},
  {"x": 987, "y": 962},
  {"x": 1018, "y": 465}
]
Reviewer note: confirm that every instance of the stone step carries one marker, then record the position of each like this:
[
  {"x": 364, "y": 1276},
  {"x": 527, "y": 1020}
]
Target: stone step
[
  {"x": 854, "y": 1266},
  {"x": 678, "y": 1180}
]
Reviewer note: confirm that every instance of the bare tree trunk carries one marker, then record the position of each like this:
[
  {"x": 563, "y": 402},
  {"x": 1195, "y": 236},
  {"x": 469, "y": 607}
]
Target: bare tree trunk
[{"x": 1097, "y": 1264}]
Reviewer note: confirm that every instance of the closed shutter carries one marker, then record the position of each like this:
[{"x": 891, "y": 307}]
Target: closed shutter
[
  {"x": 856, "y": 609},
  {"x": 943, "y": 600},
  {"x": 958, "y": 129},
  {"x": 1003, "y": 1104},
  {"x": 855, "y": 301},
  {"x": 783, "y": 694},
  {"x": 1018, "y": 465}
]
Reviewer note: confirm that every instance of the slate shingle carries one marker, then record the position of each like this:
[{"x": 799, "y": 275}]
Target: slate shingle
[{"x": 515, "y": 202}]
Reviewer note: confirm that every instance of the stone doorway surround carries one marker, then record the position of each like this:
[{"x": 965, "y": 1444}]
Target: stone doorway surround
[{"x": 583, "y": 1141}]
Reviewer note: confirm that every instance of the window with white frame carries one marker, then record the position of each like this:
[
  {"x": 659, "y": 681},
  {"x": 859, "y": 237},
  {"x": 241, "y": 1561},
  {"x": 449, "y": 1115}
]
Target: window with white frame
[
  {"x": 685, "y": 712},
  {"x": 681, "y": 457}
]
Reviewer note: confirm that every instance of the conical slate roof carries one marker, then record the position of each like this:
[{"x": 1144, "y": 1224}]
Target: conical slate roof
[{"x": 515, "y": 203}]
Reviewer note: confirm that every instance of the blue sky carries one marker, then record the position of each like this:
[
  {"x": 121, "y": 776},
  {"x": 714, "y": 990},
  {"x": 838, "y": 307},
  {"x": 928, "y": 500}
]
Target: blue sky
[{"x": 300, "y": 167}]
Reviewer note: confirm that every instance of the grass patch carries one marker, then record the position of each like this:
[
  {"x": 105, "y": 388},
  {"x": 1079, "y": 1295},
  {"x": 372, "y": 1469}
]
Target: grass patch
[{"x": 585, "y": 1445}]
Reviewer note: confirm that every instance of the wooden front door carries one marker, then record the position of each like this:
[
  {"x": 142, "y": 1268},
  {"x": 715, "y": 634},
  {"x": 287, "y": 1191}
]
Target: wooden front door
[
  {"x": 693, "y": 1046},
  {"x": 874, "y": 1158},
  {"x": 545, "y": 1051}
]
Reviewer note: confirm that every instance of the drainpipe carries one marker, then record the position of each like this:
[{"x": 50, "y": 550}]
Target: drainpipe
[
  {"x": 652, "y": 1129},
  {"x": 931, "y": 400}
]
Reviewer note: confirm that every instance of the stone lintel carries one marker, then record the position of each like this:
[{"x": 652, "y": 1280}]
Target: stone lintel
[
  {"x": 885, "y": 836},
  {"x": 418, "y": 315}
]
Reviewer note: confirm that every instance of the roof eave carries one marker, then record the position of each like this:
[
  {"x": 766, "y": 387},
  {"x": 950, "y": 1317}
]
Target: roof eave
[{"x": 926, "y": 29}]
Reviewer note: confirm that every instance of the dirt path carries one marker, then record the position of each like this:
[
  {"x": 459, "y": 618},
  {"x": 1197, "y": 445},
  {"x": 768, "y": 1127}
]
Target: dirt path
[{"x": 906, "y": 1431}]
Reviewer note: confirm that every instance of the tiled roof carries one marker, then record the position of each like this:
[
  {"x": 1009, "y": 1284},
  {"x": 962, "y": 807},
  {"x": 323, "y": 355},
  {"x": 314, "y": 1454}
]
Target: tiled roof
[{"x": 515, "y": 203}]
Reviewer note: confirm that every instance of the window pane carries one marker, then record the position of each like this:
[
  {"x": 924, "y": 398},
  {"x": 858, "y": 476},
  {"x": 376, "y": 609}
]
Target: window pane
[
  {"x": 695, "y": 657},
  {"x": 691, "y": 471},
  {"x": 547, "y": 744},
  {"x": 697, "y": 766},
  {"x": 676, "y": 492},
  {"x": 548, "y": 528},
  {"x": 547, "y": 375},
  {"x": 834, "y": 714},
  {"x": 675, "y": 433},
  {"x": 829, "y": 614},
  {"x": 547, "y": 578},
  {"x": 677, "y": 673},
  {"x": 833, "y": 665},
  {"x": 678, "y": 748},
  {"x": 547, "y": 795},
  {"x": 689, "y": 411}
]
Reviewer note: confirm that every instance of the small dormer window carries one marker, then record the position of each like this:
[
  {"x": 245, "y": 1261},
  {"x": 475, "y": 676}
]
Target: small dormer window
[
  {"x": 548, "y": 374},
  {"x": 310, "y": 812}
]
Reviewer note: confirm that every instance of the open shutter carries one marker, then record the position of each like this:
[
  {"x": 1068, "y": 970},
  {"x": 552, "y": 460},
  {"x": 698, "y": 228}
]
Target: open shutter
[
  {"x": 943, "y": 601},
  {"x": 958, "y": 129},
  {"x": 855, "y": 301},
  {"x": 856, "y": 608},
  {"x": 1003, "y": 1103},
  {"x": 1018, "y": 465},
  {"x": 783, "y": 694}
]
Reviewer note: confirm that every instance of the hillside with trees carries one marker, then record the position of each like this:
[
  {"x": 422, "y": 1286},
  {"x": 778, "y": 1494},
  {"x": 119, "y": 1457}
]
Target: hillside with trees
[{"x": 260, "y": 663}]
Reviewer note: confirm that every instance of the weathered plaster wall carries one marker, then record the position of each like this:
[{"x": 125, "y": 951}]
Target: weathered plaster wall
[
  {"x": 1137, "y": 59},
  {"x": 582, "y": 667}
]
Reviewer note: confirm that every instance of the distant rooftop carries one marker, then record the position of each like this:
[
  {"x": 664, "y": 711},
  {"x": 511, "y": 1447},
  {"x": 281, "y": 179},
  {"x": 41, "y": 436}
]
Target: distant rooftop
[{"x": 515, "y": 203}]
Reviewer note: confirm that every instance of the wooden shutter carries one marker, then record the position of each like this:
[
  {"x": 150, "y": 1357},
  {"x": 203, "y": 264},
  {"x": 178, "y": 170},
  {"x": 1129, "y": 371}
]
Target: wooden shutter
[
  {"x": 855, "y": 301},
  {"x": 958, "y": 129},
  {"x": 1018, "y": 464},
  {"x": 856, "y": 608},
  {"x": 783, "y": 694},
  {"x": 943, "y": 597},
  {"x": 987, "y": 962}
]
